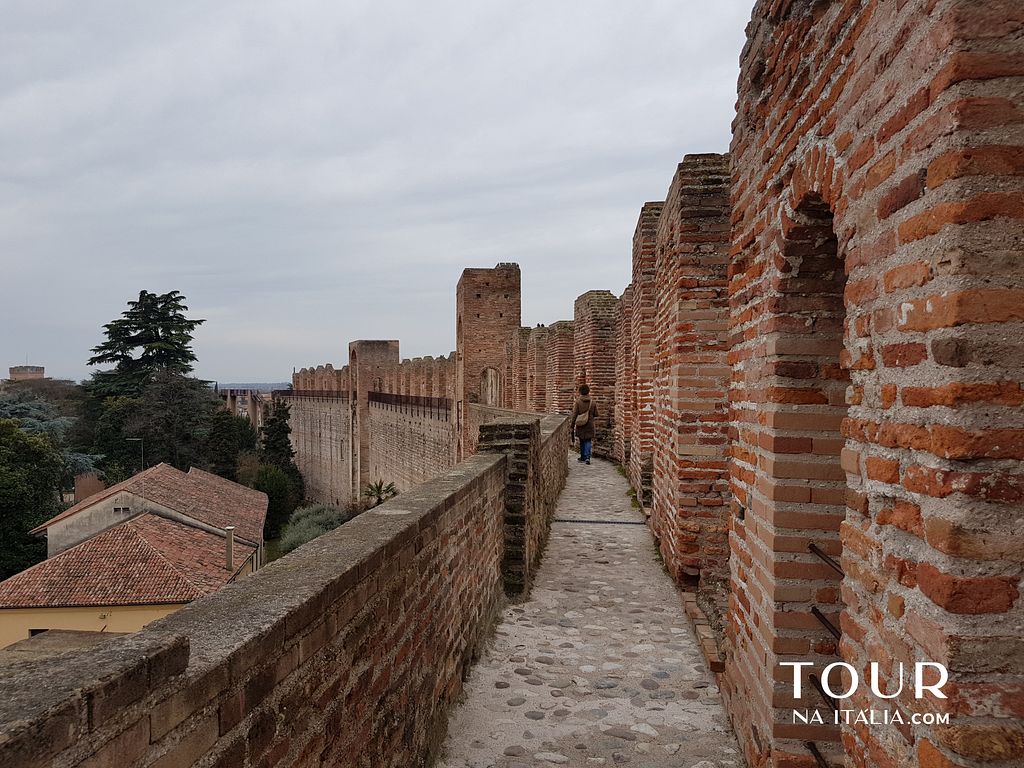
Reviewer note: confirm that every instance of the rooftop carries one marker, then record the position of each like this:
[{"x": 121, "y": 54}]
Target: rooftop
[
  {"x": 148, "y": 560},
  {"x": 202, "y": 496}
]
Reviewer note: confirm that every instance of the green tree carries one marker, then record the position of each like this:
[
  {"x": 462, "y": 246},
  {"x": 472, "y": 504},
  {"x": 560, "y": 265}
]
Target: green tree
[
  {"x": 282, "y": 499},
  {"x": 276, "y": 446},
  {"x": 230, "y": 437},
  {"x": 173, "y": 417},
  {"x": 152, "y": 335},
  {"x": 38, "y": 416},
  {"x": 275, "y": 436},
  {"x": 380, "y": 492},
  {"x": 30, "y": 472}
]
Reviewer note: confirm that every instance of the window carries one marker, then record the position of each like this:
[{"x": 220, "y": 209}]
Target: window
[{"x": 122, "y": 510}]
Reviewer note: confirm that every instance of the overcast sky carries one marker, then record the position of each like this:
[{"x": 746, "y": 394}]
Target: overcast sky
[{"x": 308, "y": 172}]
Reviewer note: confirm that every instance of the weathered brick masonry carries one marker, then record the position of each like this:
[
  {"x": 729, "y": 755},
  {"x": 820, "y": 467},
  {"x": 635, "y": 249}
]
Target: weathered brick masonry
[
  {"x": 536, "y": 370},
  {"x": 559, "y": 393},
  {"x": 642, "y": 296},
  {"x": 876, "y": 304},
  {"x": 412, "y": 439},
  {"x": 625, "y": 405},
  {"x": 346, "y": 652},
  {"x": 594, "y": 360},
  {"x": 321, "y": 423}
]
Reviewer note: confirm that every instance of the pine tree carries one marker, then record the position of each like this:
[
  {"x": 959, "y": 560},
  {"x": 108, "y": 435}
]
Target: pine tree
[
  {"x": 152, "y": 335},
  {"x": 276, "y": 436}
]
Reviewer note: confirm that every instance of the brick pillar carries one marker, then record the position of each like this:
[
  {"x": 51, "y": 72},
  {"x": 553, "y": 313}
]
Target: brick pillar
[
  {"x": 518, "y": 345},
  {"x": 625, "y": 379},
  {"x": 560, "y": 387},
  {"x": 536, "y": 370},
  {"x": 689, "y": 456},
  {"x": 594, "y": 360},
  {"x": 526, "y": 521},
  {"x": 642, "y": 314},
  {"x": 487, "y": 310},
  {"x": 877, "y": 290}
]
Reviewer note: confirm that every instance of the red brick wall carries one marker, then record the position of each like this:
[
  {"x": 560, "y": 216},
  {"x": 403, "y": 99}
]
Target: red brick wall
[
  {"x": 876, "y": 315},
  {"x": 536, "y": 370},
  {"x": 487, "y": 305},
  {"x": 642, "y": 339},
  {"x": 559, "y": 390},
  {"x": 625, "y": 378},
  {"x": 516, "y": 350},
  {"x": 594, "y": 360},
  {"x": 690, "y": 444}
]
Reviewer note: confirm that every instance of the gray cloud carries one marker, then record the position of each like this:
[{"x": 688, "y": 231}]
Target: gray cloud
[{"x": 309, "y": 172}]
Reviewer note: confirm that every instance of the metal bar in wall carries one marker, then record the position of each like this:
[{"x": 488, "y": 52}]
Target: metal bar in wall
[
  {"x": 818, "y": 552},
  {"x": 816, "y": 682},
  {"x": 823, "y": 620},
  {"x": 819, "y": 759}
]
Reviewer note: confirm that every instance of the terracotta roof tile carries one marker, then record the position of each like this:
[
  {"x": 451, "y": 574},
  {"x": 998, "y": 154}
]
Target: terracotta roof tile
[
  {"x": 147, "y": 560},
  {"x": 200, "y": 495}
]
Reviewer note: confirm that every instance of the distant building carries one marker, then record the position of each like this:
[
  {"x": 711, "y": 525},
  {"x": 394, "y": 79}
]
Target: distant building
[
  {"x": 26, "y": 372},
  {"x": 135, "y": 552}
]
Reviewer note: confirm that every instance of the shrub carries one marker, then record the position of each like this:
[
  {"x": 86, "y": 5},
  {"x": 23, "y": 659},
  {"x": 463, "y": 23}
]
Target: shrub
[{"x": 308, "y": 523}]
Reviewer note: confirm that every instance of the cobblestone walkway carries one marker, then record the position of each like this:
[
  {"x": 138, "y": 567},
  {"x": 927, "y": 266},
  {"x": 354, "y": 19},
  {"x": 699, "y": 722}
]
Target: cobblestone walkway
[{"x": 600, "y": 666}]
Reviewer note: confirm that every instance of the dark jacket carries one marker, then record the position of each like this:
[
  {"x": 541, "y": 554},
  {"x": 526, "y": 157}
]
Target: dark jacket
[{"x": 583, "y": 405}]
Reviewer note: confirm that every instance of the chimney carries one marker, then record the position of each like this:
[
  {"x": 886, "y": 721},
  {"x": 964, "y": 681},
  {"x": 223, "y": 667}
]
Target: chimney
[{"x": 230, "y": 547}]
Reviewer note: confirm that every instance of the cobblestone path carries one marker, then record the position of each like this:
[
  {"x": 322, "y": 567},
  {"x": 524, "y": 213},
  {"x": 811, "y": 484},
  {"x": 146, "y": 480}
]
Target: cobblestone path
[{"x": 600, "y": 665}]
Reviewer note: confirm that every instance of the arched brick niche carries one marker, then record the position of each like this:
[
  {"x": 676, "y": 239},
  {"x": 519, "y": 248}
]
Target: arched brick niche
[{"x": 901, "y": 122}]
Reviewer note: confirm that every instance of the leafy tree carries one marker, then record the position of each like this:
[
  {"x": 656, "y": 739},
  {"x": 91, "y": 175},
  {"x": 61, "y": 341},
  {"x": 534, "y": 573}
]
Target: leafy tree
[
  {"x": 380, "y": 492},
  {"x": 30, "y": 472},
  {"x": 307, "y": 523},
  {"x": 229, "y": 438},
  {"x": 281, "y": 495},
  {"x": 38, "y": 416},
  {"x": 276, "y": 444},
  {"x": 152, "y": 335},
  {"x": 276, "y": 447},
  {"x": 173, "y": 417}
]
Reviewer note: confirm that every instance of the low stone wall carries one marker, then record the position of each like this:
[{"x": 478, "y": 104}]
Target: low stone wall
[{"x": 346, "y": 652}]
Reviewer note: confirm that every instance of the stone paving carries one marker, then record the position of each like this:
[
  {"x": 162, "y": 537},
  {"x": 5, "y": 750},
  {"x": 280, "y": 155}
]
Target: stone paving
[{"x": 600, "y": 665}]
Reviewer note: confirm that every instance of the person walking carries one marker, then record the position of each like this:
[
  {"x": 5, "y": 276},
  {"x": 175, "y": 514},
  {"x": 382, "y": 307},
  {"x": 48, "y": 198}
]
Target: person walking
[{"x": 583, "y": 414}]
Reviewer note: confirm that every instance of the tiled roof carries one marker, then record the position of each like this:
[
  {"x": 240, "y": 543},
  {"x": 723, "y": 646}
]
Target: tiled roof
[
  {"x": 200, "y": 495},
  {"x": 147, "y": 560}
]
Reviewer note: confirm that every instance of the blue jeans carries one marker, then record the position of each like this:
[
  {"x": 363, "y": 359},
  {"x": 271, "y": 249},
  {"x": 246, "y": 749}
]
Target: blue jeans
[{"x": 585, "y": 448}]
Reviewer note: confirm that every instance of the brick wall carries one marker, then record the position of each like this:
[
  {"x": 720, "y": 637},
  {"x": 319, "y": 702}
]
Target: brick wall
[
  {"x": 876, "y": 312},
  {"x": 411, "y": 441},
  {"x": 487, "y": 309},
  {"x": 594, "y": 359},
  {"x": 536, "y": 370},
  {"x": 346, "y": 652},
  {"x": 536, "y": 474},
  {"x": 516, "y": 349},
  {"x": 690, "y": 371},
  {"x": 558, "y": 368},
  {"x": 321, "y": 424},
  {"x": 642, "y": 337},
  {"x": 625, "y": 379}
]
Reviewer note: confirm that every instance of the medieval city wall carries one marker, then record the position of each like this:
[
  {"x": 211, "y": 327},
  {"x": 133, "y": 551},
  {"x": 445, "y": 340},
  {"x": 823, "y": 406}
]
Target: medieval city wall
[
  {"x": 875, "y": 291},
  {"x": 412, "y": 439},
  {"x": 321, "y": 424}
]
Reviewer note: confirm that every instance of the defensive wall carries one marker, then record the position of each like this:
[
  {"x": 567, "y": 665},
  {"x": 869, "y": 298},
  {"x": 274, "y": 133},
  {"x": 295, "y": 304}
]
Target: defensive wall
[
  {"x": 346, "y": 652},
  {"x": 814, "y": 378}
]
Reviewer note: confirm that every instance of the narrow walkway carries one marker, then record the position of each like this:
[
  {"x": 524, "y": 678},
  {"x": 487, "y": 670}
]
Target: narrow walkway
[{"x": 600, "y": 666}]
